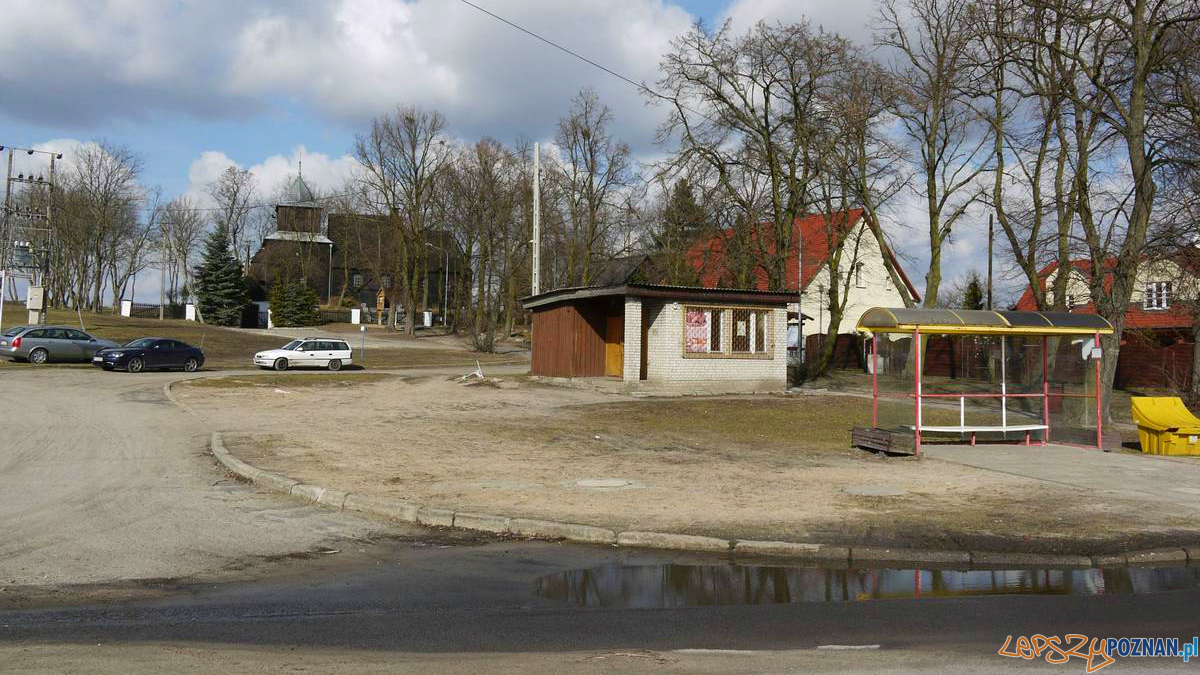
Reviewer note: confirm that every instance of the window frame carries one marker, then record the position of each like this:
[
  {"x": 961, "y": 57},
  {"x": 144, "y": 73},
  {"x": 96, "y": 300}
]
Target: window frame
[
  {"x": 725, "y": 347},
  {"x": 1156, "y": 296}
]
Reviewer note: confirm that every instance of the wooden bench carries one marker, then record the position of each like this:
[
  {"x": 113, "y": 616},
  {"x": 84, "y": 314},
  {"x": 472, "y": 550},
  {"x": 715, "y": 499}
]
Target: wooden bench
[{"x": 882, "y": 440}]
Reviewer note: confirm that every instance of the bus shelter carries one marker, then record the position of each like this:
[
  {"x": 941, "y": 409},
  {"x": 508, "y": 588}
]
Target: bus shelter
[{"x": 971, "y": 375}]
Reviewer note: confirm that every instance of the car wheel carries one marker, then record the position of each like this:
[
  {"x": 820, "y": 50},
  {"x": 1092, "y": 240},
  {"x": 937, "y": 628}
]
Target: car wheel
[
  {"x": 190, "y": 365},
  {"x": 281, "y": 364},
  {"x": 136, "y": 365},
  {"x": 335, "y": 364},
  {"x": 39, "y": 356}
]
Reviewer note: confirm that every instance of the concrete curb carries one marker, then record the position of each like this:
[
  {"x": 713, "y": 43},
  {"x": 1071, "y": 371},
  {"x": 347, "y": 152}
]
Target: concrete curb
[
  {"x": 171, "y": 397},
  {"x": 397, "y": 510}
]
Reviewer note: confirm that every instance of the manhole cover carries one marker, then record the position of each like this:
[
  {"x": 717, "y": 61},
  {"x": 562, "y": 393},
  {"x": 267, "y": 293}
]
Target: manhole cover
[
  {"x": 603, "y": 483},
  {"x": 874, "y": 491}
]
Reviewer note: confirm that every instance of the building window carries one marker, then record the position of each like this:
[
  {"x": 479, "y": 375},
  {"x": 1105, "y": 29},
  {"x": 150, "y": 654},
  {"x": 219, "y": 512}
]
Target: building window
[
  {"x": 386, "y": 281},
  {"x": 356, "y": 279},
  {"x": 749, "y": 331},
  {"x": 721, "y": 332},
  {"x": 1158, "y": 295},
  {"x": 702, "y": 330},
  {"x": 858, "y": 276}
]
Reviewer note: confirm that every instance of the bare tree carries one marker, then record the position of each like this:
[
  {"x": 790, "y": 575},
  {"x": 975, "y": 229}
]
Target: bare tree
[
  {"x": 931, "y": 41},
  {"x": 181, "y": 231},
  {"x": 234, "y": 192},
  {"x": 403, "y": 160},
  {"x": 592, "y": 170},
  {"x": 1120, "y": 48},
  {"x": 104, "y": 178},
  {"x": 750, "y": 108}
]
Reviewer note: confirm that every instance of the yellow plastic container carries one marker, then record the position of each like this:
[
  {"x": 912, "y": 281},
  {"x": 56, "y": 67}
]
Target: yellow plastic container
[{"x": 1166, "y": 426}]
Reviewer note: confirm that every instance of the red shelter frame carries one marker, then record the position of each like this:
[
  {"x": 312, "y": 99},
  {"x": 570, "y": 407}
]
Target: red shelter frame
[{"x": 921, "y": 323}]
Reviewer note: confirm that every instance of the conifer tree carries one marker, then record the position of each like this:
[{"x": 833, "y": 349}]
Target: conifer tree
[{"x": 220, "y": 283}]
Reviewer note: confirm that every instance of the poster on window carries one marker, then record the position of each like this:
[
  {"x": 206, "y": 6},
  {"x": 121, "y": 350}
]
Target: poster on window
[{"x": 696, "y": 338}]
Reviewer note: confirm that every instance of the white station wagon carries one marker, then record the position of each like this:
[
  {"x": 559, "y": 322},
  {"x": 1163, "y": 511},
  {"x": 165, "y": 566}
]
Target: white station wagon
[{"x": 307, "y": 352}]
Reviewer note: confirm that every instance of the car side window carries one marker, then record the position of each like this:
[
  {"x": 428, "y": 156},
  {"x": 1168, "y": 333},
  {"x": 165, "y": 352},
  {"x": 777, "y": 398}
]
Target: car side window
[
  {"x": 341, "y": 346},
  {"x": 56, "y": 334},
  {"x": 78, "y": 335},
  {"x": 308, "y": 347},
  {"x": 37, "y": 334},
  {"x": 328, "y": 346}
]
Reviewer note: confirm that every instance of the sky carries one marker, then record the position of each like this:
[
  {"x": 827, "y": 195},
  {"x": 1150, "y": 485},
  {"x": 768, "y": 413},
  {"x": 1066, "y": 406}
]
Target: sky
[{"x": 194, "y": 87}]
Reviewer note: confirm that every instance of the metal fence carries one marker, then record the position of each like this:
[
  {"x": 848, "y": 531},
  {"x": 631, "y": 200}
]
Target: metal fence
[
  {"x": 142, "y": 310},
  {"x": 335, "y": 315}
]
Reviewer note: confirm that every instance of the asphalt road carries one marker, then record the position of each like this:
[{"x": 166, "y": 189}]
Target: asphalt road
[
  {"x": 411, "y": 607},
  {"x": 158, "y": 562}
]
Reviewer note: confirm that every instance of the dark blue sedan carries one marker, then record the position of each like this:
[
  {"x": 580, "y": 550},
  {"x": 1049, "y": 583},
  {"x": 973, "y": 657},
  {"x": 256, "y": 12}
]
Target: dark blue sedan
[{"x": 150, "y": 354}]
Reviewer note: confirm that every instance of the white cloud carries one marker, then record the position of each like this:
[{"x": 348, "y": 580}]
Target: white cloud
[
  {"x": 323, "y": 173},
  {"x": 848, "y": 18}
]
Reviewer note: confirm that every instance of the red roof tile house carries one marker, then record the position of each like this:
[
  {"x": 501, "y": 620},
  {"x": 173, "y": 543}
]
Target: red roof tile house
[
  {"x": 740, "y": 257},
  {"x": 1156, "y": 346}
]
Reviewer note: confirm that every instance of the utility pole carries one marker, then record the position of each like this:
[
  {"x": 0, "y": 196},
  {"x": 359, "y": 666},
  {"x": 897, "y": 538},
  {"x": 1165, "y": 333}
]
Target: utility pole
[
  {"x": 4, "y": 255},
  {"x": 162, "y": 280},
  {"x": 446, "y": 292},
  {"x": 537, "y": 220},
  {"x": 989, "y": 290},
  {"x": 22, "y": 233}
]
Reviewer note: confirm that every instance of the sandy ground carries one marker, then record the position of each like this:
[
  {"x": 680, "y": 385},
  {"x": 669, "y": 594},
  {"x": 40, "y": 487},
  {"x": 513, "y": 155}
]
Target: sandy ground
[{"x": 763, "y": 468}]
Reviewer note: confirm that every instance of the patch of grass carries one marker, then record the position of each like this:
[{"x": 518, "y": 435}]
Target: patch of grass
[
  {"x": 222, "y": 347},
  {"x": 231, "y": 348},
  {"x": 792, "y": 423},
  {"x": 286, "y": 380}
]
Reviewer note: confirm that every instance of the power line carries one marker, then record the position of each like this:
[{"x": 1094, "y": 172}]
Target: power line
[
  {"x": 610, "y": 71},
  {"x": 260, "y": 205}
]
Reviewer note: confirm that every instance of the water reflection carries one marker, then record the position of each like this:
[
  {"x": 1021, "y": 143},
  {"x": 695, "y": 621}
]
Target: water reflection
[{"x": 674, "y": 585}]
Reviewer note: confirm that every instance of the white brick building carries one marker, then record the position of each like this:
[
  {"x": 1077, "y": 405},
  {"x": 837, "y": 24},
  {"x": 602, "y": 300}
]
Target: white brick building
[{"x": 698, "y": 339}]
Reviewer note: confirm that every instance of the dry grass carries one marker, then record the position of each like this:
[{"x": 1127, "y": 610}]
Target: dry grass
[
  {"x": 744, "y": 467},
  {"x": 228, "y": 348},
  {"x": 810, "y": 423}
]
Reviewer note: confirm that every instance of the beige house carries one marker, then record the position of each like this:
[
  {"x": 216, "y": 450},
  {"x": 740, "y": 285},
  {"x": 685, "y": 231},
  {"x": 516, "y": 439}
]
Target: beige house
[{"x": 862, "y": 274}]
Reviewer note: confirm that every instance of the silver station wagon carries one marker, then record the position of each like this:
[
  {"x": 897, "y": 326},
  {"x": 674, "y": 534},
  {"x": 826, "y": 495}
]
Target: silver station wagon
[{"x": 41, "y": 344}]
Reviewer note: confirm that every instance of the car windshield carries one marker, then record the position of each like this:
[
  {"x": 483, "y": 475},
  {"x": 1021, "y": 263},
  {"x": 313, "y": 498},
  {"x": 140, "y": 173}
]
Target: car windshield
[
  {"x": 140, "y": 342},
  {"x": 293, "y": 344}
]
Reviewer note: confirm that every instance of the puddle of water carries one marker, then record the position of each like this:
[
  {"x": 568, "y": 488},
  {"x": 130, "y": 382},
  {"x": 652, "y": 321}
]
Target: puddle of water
[{"x": 675, "y": 585}]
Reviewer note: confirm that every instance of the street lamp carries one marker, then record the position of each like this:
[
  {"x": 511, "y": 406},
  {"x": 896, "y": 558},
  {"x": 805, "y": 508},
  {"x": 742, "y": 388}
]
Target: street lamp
[{"x": 446, "y": 289}]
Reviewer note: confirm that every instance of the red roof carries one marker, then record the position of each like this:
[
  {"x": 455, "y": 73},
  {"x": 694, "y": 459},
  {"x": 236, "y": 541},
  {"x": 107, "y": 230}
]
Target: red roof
[
  {"x": 708, "y": 256},
  {"x": 1136, "y": 316}
]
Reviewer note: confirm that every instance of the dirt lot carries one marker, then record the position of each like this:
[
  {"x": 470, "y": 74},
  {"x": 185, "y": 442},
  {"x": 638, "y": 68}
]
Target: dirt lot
[{"x": 748, "y": 467}]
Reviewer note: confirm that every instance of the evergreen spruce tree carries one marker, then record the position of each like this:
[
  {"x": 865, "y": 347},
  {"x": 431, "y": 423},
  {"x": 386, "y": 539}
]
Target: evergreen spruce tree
[
  {"x": 307, "y": 313},
  {"x": 293, "y": 304},
  {"x": 279, "y": 297},
  {"x": 220, "y": 283},
  {"x": 683, "y": 221},
  {"x": 973, "y": 295}
]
